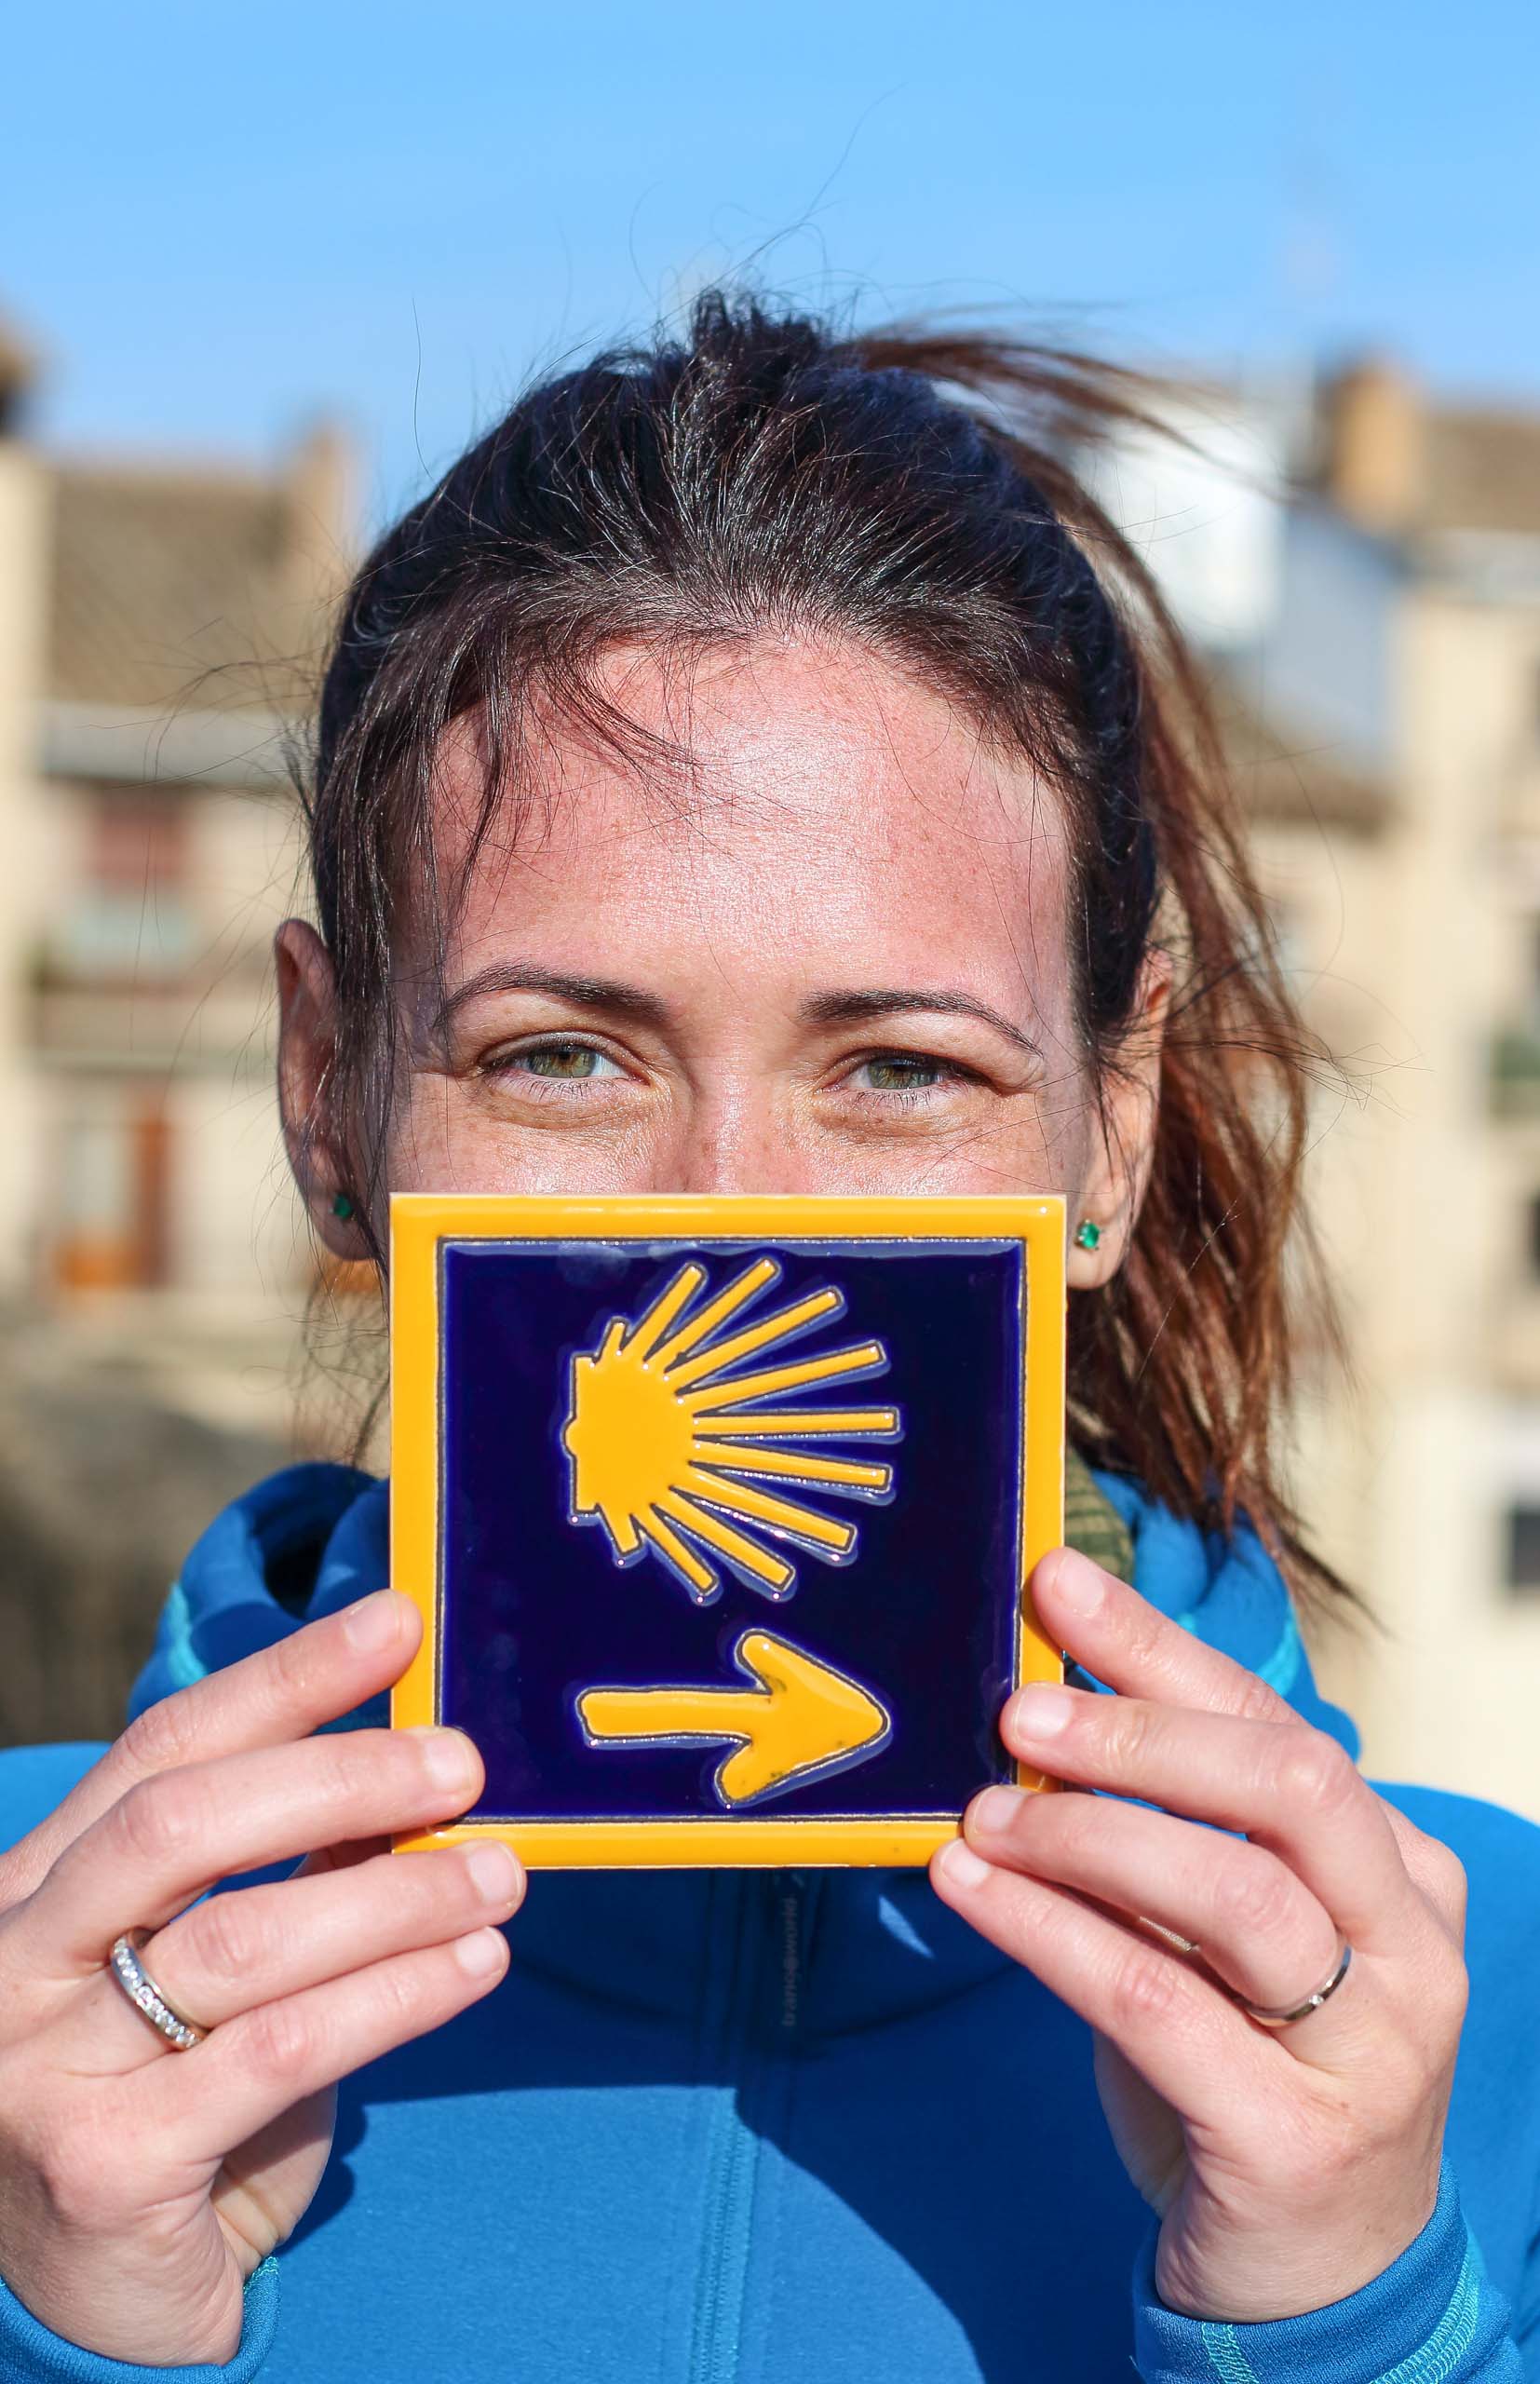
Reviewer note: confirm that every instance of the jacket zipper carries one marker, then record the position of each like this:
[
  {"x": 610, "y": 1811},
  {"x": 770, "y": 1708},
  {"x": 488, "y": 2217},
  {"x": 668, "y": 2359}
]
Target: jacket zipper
[
  {"x": 790, "y": 1954},
  {"x": 762, "y": 1921}
]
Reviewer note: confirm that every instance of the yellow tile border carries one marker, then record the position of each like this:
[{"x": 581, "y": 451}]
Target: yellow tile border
[{"x": 419, "y": 1222}]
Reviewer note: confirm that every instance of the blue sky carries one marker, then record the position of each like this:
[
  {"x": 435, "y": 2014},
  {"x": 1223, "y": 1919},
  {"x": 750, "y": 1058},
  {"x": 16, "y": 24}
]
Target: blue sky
[{"x": 220, "y": 222}]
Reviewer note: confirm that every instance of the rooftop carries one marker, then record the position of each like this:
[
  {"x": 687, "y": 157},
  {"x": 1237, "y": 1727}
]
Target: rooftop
[
  {"x": 1288, "y": 779},
  {"x": 177, "y": 587},
  {"x": 1404, "y": 463},
  {"x": 1482, "y": 472}
]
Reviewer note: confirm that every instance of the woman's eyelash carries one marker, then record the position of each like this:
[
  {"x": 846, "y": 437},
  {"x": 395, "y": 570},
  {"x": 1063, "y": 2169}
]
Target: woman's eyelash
[
  {"x": 905, "y": 1078},
  {"x": 588, "y": 1061},
  {"x": 899, "y": 1064}
]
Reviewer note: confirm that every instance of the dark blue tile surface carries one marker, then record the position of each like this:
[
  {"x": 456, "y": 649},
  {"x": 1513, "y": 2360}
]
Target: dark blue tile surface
[{"x": 535, "y": 1608}]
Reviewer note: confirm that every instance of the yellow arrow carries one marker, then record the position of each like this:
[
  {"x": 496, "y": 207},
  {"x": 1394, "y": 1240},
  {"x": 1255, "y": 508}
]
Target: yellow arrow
[{"x": 803, "y": 1718}]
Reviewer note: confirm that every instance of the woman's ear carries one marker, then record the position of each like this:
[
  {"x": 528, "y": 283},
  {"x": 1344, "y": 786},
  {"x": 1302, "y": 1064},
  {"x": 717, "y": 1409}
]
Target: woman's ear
[
  {"x": 1124, "y": 1135},
  {"x": 307, "y": 1034}
]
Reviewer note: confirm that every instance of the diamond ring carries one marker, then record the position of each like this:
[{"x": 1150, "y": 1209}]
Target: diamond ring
[{"x": 146, "y": 1997}]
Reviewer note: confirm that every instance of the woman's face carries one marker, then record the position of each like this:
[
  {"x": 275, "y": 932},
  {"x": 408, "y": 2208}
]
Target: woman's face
[{"x": 835, "y": 961}]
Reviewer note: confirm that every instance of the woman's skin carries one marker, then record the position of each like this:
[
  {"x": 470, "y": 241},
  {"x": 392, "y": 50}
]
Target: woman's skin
[{"x": 832, "y": 956}]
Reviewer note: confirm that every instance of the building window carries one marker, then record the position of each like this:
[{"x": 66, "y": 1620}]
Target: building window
[
  {"x": 110, "y": 1197},
  {"x": 1524, "y": 1547},
  {"x": 128, "y": 920}
]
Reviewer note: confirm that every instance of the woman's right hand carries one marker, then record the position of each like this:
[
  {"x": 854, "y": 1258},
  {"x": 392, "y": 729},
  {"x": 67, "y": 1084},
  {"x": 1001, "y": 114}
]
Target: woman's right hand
[{"x": 141, "y": 2185}]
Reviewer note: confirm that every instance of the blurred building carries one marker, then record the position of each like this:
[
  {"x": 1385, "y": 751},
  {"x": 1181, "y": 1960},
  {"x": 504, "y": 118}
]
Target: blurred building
[
  {"x": 1362, "y": 564},
  {"x": 159, "y": 640},
  {"x": 159, "y": 631}
]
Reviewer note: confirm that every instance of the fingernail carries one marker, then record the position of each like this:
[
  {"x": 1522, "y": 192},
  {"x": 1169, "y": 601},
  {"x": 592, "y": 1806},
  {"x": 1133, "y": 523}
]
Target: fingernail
[
  {"x": 997, "y": 1808},
  {"x": 373, "y": 1623},
  {"x": 494, "y": 1874},
  {"x": 1041, "y": 1711},
  {"x": 1077, "y": 1583},
  {"x": 482, "y": 1954},
  {"x": 447, "y": 1757},
  {"x": 961, "y": 1865}
]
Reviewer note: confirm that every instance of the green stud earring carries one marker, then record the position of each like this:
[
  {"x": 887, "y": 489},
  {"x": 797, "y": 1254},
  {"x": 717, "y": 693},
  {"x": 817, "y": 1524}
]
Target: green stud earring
[
  {"x": 1088, "y": 1235},
  {"x": 342, "y": 1207}
]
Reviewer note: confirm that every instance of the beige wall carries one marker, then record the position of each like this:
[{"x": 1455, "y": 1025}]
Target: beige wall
[
  {"x": 24, "y": 532},
  {"x": 1421, "y": 1195}
]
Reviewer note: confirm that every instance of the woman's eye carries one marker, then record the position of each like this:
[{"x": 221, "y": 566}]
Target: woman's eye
[
  {"x": 901, "y": 1072},
  {"x": 558, "y": 1063}
]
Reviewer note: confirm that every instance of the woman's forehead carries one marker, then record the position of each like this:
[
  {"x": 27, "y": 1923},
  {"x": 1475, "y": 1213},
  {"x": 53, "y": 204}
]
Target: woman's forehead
[{"x": 830, "y": 804}]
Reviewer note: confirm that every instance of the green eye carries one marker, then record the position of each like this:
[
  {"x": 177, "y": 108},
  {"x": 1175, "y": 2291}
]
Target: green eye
[
  {"x": 901, "y": 1072},
  {"x": 563, "y": 1062}
]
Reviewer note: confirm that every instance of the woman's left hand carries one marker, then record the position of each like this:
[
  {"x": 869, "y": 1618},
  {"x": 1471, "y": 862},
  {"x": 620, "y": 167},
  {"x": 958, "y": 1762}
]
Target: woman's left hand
[{"x": 1289, "y": 2166}]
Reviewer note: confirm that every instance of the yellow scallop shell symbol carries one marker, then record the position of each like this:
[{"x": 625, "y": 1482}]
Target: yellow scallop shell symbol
[{"x": 667, "y": 1442}]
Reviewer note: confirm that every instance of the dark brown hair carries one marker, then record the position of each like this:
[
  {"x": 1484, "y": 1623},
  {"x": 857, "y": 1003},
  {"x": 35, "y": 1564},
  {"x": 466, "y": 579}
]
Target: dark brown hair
[{"x": 923, "y": 493}]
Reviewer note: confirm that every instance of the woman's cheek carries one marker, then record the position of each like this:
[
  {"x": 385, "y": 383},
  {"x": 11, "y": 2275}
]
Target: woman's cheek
[{"x": 449, "y": 1137}]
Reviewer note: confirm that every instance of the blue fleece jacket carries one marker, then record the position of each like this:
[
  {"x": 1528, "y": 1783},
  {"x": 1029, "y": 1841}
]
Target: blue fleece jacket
[{"x": 771, "y": 2127}]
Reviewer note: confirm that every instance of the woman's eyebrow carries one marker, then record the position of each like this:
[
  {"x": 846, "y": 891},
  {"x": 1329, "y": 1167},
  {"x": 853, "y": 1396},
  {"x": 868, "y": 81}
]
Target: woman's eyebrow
[
  {"x": 842, "y": 1008},
  {"x": 586, "y": 993}
]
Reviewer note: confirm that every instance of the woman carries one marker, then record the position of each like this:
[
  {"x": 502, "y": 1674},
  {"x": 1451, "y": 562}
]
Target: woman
[{"x": 760, "y": 766}]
